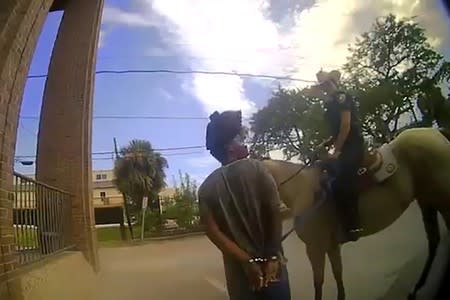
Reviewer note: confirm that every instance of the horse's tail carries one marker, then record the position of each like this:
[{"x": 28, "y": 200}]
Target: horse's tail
[{"x": 445, "y": 132}]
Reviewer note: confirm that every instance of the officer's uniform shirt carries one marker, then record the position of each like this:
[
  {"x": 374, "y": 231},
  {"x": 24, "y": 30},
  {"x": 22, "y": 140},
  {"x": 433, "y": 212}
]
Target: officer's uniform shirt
[{"x": 343, "y": 102}]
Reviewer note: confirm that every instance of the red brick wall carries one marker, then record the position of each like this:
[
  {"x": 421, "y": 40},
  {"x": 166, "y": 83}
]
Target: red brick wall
[
  {"x": 20, "y": 25},
  {"x": 64, "y": 145}
]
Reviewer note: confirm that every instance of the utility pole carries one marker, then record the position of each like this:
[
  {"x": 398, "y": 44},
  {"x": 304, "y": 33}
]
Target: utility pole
[{"x": 125, "y": 202}]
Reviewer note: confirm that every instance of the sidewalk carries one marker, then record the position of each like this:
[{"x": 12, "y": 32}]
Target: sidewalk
[{"x": 137, "y": 242}]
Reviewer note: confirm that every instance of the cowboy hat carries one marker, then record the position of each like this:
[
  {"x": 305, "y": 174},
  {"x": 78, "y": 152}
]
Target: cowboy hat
[{"x": 323, "y": 76}]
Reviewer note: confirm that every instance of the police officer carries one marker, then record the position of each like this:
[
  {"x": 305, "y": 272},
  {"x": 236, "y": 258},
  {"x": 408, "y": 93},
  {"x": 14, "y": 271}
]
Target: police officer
[{"x": 348, "y": 142}]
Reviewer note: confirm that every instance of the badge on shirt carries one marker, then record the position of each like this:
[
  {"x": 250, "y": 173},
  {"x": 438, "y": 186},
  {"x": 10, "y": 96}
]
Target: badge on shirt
[{"x": 341, "y": 98}]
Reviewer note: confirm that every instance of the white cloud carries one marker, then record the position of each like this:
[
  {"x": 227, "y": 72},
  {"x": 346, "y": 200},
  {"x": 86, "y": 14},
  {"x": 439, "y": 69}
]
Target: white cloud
[
  {"x": 203, "y": 162},
  {"x": 159, "y": 52},
  {"x": 239, "y": 36},
  {"x": 113, "y": 15},
  {"x": 165, "y": 94},
  {"x": 235, "y": 33}
]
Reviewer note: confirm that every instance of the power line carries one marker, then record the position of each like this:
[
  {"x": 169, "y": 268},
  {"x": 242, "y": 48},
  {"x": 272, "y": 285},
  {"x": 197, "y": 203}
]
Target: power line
[
  {"x": 191, "y": 72},
  {"x": 184, "y": 153},
  {"x": 124, "y": 117},
  {"x": 22, "y": 157},
  {"x": 18, "y": 158},
  {"x": 132, "y": 117},
  {"x": 156, "y": 149},
  {"x": 112, "y": 152},
  {"x": 164, "y": 155},
  {"x": 169, "y": 55},
  {"x": 205, "y": 58}
]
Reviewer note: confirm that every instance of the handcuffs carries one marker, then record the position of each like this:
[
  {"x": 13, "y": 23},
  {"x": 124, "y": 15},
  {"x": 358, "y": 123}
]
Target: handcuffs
[{"x": 258, "y": 260}]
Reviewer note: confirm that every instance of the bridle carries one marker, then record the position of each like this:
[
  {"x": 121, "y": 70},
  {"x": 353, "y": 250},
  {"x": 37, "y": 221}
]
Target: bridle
[
  {"x": 284, "y": 182},
  {"x": 300, "y": 169},
  {"x": 293, "y": 175}
]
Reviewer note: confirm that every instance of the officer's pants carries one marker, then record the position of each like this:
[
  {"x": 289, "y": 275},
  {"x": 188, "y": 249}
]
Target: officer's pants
[{"x": 346, "y": 184}]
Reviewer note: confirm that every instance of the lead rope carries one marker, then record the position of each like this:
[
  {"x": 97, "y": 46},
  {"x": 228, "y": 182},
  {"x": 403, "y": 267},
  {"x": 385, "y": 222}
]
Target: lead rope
[{"x": 284, "y": 182}]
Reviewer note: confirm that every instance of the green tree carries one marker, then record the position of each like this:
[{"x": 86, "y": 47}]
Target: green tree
[
  {"x": 139, "y": 172},
  {"x": 292, "y": 121},
  {"x": 185, "y": 207},
  {"x": 152, "y": 221},
  {"x": 390, "y": 69}
]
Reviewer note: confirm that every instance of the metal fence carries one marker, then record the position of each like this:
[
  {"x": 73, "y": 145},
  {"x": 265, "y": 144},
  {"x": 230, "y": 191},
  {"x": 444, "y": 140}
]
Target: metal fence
[{"x": 42, "y": 219}]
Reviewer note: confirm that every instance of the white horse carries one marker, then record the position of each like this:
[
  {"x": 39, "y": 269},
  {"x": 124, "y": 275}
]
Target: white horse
[{"x": 421, "y": 172}]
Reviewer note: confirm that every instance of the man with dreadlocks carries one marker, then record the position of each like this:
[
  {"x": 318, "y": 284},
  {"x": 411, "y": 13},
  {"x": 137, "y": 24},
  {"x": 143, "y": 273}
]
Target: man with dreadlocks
[{"x": 239, "y": 206}]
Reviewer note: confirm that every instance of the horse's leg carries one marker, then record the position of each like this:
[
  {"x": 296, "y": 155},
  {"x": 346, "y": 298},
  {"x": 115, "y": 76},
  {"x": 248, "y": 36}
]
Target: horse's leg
[
  {"x": 334, "y": 255},
  {"x": 430, "y": 220},
  {"x": 446, "y": 216},
  {"x": 316, "y": 256}
]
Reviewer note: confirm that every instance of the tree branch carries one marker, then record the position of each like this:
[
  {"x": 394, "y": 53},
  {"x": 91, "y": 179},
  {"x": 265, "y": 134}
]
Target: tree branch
[
  {"x": 395, "y": 65},
  {"x": 396, "y": 122},
  {"x": 298, "y": 134},
  {"x": 373, "y": 69}
]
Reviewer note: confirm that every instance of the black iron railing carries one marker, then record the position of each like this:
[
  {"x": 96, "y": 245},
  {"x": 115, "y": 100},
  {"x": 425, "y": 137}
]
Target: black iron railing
[{"x": 42, "y": 219}]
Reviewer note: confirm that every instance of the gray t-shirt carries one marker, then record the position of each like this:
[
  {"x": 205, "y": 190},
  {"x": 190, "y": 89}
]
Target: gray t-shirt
[{"x": 239, "y": 196}]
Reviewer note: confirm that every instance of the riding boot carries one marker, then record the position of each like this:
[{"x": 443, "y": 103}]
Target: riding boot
[
  {"x": 349, "y": 216},
  {"x": 350, "y": 162},
  {"x": 347, "y": 203}
]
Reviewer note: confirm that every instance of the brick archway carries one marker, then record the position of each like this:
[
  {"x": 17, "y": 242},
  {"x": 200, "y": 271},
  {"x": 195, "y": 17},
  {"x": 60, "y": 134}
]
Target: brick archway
[{"x": 64, "y": 144}]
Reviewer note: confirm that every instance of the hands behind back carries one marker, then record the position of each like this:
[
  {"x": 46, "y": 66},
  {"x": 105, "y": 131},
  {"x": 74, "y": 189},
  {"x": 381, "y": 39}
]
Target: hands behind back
[
  {"x": 255, "y": 275},
  {"x": 261, "y": 274},
  {"x": 271, "y": 270}
]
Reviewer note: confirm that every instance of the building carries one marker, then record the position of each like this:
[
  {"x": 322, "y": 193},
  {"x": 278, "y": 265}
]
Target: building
[
  {"x": 104, "y": 192},
  {"x": 107, "y": 200}
]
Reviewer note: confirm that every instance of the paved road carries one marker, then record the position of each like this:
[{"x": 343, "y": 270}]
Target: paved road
[{"x": 383, "y": 266}]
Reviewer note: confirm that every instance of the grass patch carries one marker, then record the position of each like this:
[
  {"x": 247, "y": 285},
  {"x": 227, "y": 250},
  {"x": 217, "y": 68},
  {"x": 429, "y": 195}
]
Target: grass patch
[
  {"x": 111, "y": 235},
  {"x": 26, "y": 236},
  {"x": 107, "y": 234}
]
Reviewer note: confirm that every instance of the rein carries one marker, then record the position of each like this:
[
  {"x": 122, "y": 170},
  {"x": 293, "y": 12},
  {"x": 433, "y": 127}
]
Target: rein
[
  {"x": 308, "y": 164},
  {"x": 295, "y": 174},
  {"x": 286, "y": 181}
]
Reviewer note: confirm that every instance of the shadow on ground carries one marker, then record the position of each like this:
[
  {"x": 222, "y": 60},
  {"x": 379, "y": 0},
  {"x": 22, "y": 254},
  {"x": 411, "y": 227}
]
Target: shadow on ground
[{"x": 406, "y": 277}]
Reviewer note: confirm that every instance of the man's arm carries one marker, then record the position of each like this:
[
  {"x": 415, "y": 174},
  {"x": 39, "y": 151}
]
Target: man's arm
[
  {"x": 344, "y": 129},
  {"x": 221, "y": 241},
  {"x": 228, "y": 247},
  {"x": 214, "y": 233},
  {"x": 271, "y": 209}
]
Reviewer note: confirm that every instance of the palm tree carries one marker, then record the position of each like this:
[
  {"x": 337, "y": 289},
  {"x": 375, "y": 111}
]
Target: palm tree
[{"x": 139, "y": 172}]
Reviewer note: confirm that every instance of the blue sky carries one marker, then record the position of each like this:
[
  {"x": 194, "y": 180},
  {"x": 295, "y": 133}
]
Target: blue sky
[
  {"x": 236, "y": 35},
  {"x": 124, "y": 95}
]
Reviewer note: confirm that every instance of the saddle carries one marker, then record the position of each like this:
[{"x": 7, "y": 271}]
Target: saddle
[{"x": 377, "y": 166}]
